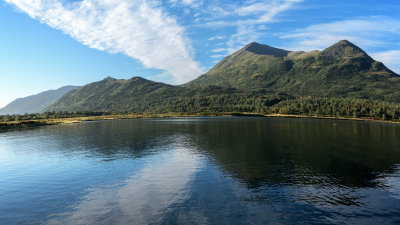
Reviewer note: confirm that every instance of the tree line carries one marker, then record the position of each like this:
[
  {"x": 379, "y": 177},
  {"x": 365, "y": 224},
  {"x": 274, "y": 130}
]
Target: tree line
[
  {"x": 49, "y": 115},
  {"x": 241, "y": 103}
]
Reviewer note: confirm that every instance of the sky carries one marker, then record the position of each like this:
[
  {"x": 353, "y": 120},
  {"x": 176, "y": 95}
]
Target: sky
[{"x": 47, "y": 44}]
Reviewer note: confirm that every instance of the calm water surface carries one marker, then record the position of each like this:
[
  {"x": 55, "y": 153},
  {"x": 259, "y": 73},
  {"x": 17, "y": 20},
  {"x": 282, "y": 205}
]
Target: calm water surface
[{"x": 202, "y": 171}]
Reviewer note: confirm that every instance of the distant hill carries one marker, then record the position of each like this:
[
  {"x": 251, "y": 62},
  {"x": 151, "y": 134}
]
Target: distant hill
[
  {"x": 341, "y": 80},
  {"x": 141, "y": 95},
  {"x": 35, "y": 103},
  {"x": 109, "y": 94},
  {"x": 341, "y": 70}
]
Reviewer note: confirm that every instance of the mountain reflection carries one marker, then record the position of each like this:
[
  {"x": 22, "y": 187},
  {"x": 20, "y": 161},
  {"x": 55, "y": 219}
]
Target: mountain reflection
[
  {"x": 202, "y": 170},
  {"x": 301, "y": 152},
  {"x": 258, "y": 151}
]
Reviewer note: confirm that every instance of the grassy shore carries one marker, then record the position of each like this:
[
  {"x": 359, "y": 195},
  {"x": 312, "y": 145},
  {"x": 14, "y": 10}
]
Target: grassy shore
[
  {"x": 70, "y": 120},
  {"x": 43, "y": 122}
]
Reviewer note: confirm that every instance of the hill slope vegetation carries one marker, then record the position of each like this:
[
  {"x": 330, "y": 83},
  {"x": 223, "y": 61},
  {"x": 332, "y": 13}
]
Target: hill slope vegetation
[
  {"x": 341, "y": 80},
  {"x": 342, "y": 70}
]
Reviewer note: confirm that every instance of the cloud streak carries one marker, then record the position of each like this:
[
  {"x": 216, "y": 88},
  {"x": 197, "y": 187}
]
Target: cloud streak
[
  {"x": 190, "y": 3},
  {"x": 251, "y": 18},
  {"x": 267, "y": 11},
  {"x": 261, "y": 13},
  {"x": 367, "y": 32},
  {"x": 137, "y": 28}
]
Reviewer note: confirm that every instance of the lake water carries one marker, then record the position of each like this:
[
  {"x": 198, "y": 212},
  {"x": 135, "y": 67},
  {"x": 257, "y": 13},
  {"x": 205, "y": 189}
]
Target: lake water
[{"x": 202, "y": 171}]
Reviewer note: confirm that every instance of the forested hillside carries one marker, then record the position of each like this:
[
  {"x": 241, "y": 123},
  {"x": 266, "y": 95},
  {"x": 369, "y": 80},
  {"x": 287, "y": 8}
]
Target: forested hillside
[{"x": 342, "y": 80}]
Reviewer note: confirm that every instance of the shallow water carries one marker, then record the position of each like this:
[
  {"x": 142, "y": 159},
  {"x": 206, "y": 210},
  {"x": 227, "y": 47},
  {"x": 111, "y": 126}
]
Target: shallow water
[{"x": 202, "y": 171}]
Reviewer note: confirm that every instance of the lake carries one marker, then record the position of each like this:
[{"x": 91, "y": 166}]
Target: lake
[{"x": 211, "y": 170}]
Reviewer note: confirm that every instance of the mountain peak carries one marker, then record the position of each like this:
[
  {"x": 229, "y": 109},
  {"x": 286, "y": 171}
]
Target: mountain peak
[
  {"x": 344, "y": 42},
  {"x": 260, "y": 49},
  {"x": 344, "y": 48},
  {"x": 109, "y": 78}
]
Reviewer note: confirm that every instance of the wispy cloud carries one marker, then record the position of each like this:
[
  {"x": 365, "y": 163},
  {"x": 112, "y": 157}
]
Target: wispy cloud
[
  {"x": 377, "y": 35},
  {"x": 219, "y": 50},
  {"x": 250, "y": 19},
  {"x": 216, "y": 38},
  {"x": 190, "y": 3},
  {"x": 170, "y": 174},
  {"x": 266, "y": 11},
  {"x": 366, "y": 32},
  {"x": 217, "y": 56},
  {"x": 137, "y": 28},
  {"x": 245, "y": 34}
]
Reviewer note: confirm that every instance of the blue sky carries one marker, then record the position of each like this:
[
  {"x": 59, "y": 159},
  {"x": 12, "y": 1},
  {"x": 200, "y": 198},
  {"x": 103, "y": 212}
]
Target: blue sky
[{"x": 48, "y": 44}]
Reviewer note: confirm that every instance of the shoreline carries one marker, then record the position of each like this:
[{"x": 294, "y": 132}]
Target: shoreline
[
  {"x": 4, "y": 126},
  {"x": 332, "y": 118}
]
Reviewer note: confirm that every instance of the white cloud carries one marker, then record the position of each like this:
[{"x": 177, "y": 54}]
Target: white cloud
[
  {"x": 217, "y": 56},
  {"x": 254, "y": 8},
  {"x": 248, "y": 18},
  {"x": 390, "y": 58},
  {"x": 244, "y": 35},
  {"x": 163, "y": 181},
  {"x": 219, "y": 50},
  {"x": 365, "y": 32},
  {"x": 218, "y": 11},
  {"x": 273, "y": 10},
  {"x": 267, "y": 11},
  {"x": 137, "y": 28},
  {"x": 216, "y": 38},
  {"x": 260, "y": 13},
  {"x": 190, "y": 3}
]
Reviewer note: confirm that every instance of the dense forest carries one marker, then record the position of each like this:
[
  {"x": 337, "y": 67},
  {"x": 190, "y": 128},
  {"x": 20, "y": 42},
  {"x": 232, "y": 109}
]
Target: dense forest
[{"x": 242, "y": 104}]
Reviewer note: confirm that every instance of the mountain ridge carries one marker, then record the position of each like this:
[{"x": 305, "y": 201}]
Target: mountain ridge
[
  {"x": 344, "y": 48},
  {"x": 262, "y": 49},
  {"x": 35, "y": 103},
  {"x": 341, "y": 70},
  {"x": 259, "y": 80}
]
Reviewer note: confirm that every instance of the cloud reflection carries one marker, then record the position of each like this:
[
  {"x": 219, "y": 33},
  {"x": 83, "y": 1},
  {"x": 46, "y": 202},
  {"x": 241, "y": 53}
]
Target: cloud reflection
[{"x": 146, "y": 197}]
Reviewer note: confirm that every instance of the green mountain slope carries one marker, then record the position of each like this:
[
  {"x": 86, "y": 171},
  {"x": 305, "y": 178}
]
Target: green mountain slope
[
  {"x": 35, "y": 103},
  {"x": 135, "y": 94},
  {"x": 342, "y": 80},
  {"x": 342, "y": 70},
  {"x": 140, "y": 95}
]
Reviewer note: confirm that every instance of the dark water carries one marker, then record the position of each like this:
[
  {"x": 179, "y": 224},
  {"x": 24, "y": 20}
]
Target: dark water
[{"x": 202, "y": 171}]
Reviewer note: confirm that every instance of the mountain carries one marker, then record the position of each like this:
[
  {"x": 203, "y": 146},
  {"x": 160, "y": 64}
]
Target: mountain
[
  {"x": 259, "y": 49},
  {"x": 341, "y": 70},
  {"x": 35, "y": 103},
  {"x": 341, "y": 80},
  {"x": 140, "y": 95},
  {"x": 111, "y": 94}
]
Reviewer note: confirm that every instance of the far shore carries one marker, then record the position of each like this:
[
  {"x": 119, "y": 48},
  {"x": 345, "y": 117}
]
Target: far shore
[{"x": 72, "y": 120}]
